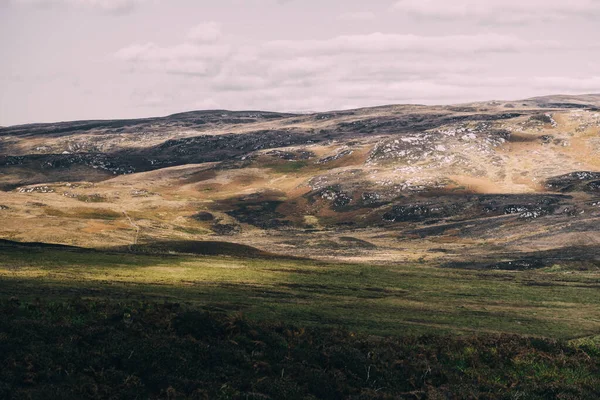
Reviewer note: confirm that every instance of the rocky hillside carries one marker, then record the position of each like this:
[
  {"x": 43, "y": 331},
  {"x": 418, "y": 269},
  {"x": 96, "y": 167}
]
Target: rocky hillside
[{"x": 478, "y": 182}]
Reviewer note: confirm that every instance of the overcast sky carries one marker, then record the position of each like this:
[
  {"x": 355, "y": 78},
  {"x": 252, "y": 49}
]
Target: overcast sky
[{"x": 87, "y": 59}]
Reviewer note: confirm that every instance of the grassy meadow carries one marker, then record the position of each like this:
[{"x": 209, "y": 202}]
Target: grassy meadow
[
  {"x": 381, "y": 300},
  {"x": 90, "y": 324}
]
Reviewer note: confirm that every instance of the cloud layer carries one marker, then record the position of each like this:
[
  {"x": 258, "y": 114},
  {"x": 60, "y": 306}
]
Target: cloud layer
[
  {"x": 107, "y": 6},
  {"x": 157, "y": 57},
  {"x": 512, "y": 11},
  {"x": 346, "y": 70}
]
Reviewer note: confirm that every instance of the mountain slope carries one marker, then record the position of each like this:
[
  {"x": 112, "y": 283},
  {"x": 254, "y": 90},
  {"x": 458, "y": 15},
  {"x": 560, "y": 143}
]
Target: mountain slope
[{"x": 480, "y": 182}]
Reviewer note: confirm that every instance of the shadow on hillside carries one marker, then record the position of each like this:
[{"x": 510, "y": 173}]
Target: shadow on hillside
[
  {"x": 572, "y": 257},
  {"x": 146, "y": 350},
  {"x": 368, "y": 298},
  {"x": 159, "y": 248}
]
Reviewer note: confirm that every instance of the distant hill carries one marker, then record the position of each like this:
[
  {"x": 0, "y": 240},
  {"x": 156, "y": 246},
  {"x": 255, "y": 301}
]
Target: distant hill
[{"x": 368, "y": 183}]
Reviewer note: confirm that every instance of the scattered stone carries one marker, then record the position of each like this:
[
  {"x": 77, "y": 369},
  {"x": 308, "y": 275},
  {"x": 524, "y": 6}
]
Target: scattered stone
[
  {"x": 290, "y": 155},
  {"x": 141, "y": 193},
  {"x": 337, "y": 156},
  {"x": 547, "y": 139},
  {"x": 421, "y": 212},
  {"x": 35, "y": 189},
  {"x": 337, "y": 197},
  {"x": 226, "y": 229},
  {"x": 203, "y": 216}
]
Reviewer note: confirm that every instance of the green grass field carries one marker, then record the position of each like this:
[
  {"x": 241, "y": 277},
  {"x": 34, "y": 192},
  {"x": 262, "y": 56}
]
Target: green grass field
[
  {"x": 88, "y": 324},
  {"x": 382, "y": 300}
]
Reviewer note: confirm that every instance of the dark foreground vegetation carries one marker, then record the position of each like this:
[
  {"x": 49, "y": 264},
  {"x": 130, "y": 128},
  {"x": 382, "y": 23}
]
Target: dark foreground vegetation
[{"x": 85, "y": 349}]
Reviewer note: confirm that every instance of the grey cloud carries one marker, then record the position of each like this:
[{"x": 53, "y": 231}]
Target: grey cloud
[
  {"x": 191, "y": 59},
  {"x": 235, "y": 82},
  {"x": 357, "y": 16},
  {"x": 151, "y": 52},
  {"x": 106, "y": 6},
  {"x": 303, "y": 56},
  {"x": 201, "y": 53},
  {"x": 385, "y": 43},
  {"x": 206, "y": 32},
  {"x": 298, "y": 67},
  {"x": 389, "y": 69},
  {"x": 568, "y": 84},
  {"x": 190, "y": 68},
  {"x": 499, "y": 11},
  {"x": 343, "y": 69}
]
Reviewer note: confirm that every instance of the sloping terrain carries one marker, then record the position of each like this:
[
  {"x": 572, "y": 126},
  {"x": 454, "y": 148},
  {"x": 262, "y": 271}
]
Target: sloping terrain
[
  {"x": 393, "y": 252},
  {"x": 229, "y": 322},
  {"x": 482, "y": 184}
]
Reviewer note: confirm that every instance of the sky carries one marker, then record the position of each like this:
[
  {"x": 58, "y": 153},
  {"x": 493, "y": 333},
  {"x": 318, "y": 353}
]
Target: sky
[{"x": 105, "y": 59}]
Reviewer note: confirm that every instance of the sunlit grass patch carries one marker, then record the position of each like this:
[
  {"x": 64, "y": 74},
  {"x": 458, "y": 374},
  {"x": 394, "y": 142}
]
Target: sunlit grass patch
[{"x": 374, "y": 299}]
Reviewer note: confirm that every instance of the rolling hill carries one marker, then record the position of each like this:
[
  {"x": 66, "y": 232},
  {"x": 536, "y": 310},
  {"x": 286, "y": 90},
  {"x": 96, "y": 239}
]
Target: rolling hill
[
  {"x": 477, "y": 184},
  {"x": 405, "y": 251}
]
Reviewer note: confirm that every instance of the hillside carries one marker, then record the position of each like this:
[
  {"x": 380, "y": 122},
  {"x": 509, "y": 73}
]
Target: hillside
[
  {"x": 405, "y": 252},
  {"x": 476, "y": 185}
]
